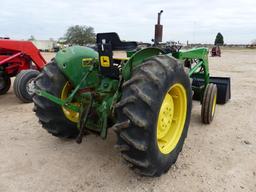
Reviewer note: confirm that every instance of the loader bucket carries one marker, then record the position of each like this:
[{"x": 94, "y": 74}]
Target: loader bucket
[{"x": 223, "y": 86}]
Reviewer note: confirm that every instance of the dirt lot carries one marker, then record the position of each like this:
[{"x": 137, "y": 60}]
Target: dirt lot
[{"x": 217, "y": 157}]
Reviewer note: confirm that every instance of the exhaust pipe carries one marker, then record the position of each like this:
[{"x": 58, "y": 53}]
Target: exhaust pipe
[{"x": 158, "y": 29}]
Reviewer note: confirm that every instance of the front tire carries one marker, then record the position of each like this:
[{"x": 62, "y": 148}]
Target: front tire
[
  {"x": 144, "y": 116},
  {"x": 209, "y": 103},
  {"x": 23, "y": 86},
  {"x": 51, "y": 115}
]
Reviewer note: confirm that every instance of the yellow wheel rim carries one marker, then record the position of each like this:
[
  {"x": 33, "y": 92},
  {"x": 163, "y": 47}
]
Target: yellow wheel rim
[
  {"x": 214, "y": 104},
  {"x": 171, "y": 118},
  {"x": 69, "y": 114}
]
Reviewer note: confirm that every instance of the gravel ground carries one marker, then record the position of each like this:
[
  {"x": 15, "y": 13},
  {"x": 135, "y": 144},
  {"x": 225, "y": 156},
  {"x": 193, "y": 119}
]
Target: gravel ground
[{"x": 217, "y": 157}]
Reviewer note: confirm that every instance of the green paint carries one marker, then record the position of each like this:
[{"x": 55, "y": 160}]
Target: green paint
[
  {"x": 137, "y": 58},
  {"x": 200, "y": 69},
  {"x": 201, "y": 55},
  {"x": 70, "y": 62},
  {"x": 81, "y": 67},
  {"x": 57, "y": 100}
]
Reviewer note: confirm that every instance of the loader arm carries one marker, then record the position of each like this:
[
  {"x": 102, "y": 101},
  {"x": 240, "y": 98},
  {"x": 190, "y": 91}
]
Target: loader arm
[{"x": 25, "y": 47}]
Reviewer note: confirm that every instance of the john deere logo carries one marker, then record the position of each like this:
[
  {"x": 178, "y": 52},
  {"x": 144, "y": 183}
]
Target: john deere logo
[
  {"x": 105, "y": 61},
  {"x": 86, "y": 62}
]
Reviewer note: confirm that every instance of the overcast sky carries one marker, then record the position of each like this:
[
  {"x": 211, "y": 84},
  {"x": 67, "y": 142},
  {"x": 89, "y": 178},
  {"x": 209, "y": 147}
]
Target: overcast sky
[{"x": 193, "y": 20}]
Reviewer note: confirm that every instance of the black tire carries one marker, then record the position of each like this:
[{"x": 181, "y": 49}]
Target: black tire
[
  {"x": 137, "y": 114},
  {"x": 23, "y": 85},
  {"x": 207, "y": 110},
  {"x": 51, "y": 115},
  {"x": 5, "y": 83}
]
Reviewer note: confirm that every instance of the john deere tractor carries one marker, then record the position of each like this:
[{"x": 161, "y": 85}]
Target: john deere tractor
[{"x": 144, "y": 95}]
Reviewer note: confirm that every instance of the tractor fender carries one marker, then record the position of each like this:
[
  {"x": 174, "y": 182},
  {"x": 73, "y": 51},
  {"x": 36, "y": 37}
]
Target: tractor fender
[
  {"x": 74, "y": 61},
  {"x": 138, "y": 58}
]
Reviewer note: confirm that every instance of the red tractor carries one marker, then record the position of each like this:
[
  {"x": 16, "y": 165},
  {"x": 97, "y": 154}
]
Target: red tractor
[
  {"x": 216, "y": 52},
  {"x": 23, "y": 60}
]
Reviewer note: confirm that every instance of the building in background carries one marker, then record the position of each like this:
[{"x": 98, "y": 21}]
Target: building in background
[{"x": 45, "y": 45}]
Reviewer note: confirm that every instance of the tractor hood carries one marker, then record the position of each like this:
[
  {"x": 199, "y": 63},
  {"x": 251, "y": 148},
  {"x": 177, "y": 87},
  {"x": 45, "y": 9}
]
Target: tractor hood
[{"x": 74, "y": 61}]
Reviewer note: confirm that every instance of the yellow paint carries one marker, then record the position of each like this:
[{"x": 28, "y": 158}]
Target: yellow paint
[
  {"x": 171, "y": 118},
  {"x": 69, "y": 114},
  {"x": 105, "y": 61},
  {"x": 86, "y": 62},
  {"x": 214, "y": 104}
]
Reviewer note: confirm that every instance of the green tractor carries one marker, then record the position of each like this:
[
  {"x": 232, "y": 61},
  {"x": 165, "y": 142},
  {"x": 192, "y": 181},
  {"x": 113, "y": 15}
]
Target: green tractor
[{"x": 144, "y": 95}]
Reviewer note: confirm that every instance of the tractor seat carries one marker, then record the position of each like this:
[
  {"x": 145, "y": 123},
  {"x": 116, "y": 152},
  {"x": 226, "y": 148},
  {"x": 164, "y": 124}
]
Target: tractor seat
[
  {"x": 116, "y": 43},
  {"x": 112, "y": 52}
]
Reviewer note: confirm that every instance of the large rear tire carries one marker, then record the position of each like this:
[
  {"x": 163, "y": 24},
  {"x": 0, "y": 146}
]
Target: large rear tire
[
  {"x": 52, "y": 116},
  {"x": 153, "y": 115},
  {"x": 5, "y": 83},
  {"x": 23, "y": 86}
]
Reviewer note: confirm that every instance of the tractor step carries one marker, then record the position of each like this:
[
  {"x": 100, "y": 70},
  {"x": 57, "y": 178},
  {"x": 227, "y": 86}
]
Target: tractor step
[{"x": 223, "y": 86}]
